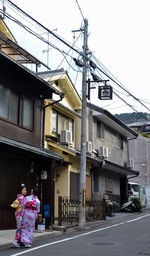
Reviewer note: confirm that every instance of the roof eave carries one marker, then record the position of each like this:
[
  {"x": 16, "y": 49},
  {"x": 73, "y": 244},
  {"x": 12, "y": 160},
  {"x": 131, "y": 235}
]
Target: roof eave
[
  {"x": 48, "y": 86},
  {"x": 129, "y": 131},
  {"x": 22, "y": 147}
]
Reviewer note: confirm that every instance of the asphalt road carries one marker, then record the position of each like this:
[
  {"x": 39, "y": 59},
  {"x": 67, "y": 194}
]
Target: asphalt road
[{"x": 119, "y": 237}]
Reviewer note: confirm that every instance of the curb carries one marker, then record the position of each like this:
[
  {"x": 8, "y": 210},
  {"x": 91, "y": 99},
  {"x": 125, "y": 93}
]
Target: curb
[{"x": 55, "y": 233}]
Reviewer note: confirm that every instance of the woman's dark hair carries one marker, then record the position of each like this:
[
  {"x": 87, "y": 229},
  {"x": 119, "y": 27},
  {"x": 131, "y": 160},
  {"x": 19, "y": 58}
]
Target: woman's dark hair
[
  {"x": 21, "y": 187},
  {"x": 35, "y": 191}
]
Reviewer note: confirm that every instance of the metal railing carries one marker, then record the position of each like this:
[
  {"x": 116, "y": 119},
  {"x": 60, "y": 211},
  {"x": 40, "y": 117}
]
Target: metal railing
[{"x": 68, "y": 210}]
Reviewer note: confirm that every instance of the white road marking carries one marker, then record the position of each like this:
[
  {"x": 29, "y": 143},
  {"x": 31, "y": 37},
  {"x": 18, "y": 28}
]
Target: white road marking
[{"x": 78, "y": 236}]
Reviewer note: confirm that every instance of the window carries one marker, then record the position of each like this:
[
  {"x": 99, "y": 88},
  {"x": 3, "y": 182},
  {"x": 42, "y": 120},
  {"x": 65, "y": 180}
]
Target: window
[
  {"x": 4, "y": 101},
  {"x": 109, "y": 185},
  {"x": 13, "y": 107},
  {"x": 100, "y": 130},
  {"x": 8, "y": 104},
  {"x": 16, "y": 108},
  {"x": 71, "y": 126},
  {"x": 54, "y": 120},
  {"x": 61, "y": 122},
  {"x": 119, "y": 141},
  {"x": 26, "y": 112}
]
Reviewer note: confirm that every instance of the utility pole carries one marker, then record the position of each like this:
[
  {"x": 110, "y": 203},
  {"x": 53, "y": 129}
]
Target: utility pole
[{"x": 83, "y": 131}]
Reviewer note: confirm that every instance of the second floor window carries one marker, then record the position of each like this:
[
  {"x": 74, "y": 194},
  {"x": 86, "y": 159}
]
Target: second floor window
[
  {"x": 16, "y": 108},
  {"x": 100, "y": 130},
  {"x": 26, "y": 112},
  {"x": 54, "y": 120},
  {"x": 119, "y": 141},
  {"x": 61, "y": 122}
]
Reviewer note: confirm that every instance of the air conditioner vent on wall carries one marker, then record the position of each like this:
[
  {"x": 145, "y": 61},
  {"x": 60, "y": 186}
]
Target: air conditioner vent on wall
[
  {"x": 130, "y": 163},
  {"x": 66, "y": 137},
  {"x": 103, "y": 151},
  {"x": 89, "y": 147}
]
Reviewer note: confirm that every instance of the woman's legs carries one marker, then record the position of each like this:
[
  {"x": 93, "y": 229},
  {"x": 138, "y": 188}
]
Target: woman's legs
[
  {"x": 18, "y": 216},
  {"x": 28, "y": 227}
]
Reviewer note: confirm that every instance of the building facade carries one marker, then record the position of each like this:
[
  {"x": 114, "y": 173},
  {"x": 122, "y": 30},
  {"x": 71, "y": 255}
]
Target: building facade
[
  {"x": 63, "y": 136},
  {"x": 139, "y": 151},
  {"x": 22, "y": 158},
  {"x": 110, "y": 168}
]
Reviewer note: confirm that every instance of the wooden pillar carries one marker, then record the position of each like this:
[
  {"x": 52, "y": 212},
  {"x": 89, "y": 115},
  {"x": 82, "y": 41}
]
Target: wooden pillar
[
  {"x": 52, "y": 191},
  {"x": 59, "y": 211}
]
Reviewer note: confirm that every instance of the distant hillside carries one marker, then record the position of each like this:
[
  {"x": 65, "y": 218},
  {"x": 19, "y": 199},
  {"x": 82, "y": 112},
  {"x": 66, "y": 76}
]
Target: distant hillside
[{"x": 128, "y": 118}]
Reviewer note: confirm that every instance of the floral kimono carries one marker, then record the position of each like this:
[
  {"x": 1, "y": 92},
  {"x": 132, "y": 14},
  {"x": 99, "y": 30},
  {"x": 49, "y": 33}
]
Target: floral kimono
[
  {"x": 31, "y": 207},
  {"x": 18, "y": 214}
]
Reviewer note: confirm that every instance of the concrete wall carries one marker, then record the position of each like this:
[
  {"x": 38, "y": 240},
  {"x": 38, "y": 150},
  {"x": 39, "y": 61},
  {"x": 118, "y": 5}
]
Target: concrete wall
[
  {"x": 61, "y": 185},
  {"x": 139, "y": 150},
  {"x": 147, "y": 189},
  {"x": 115, "y": 154},
  {"x": 103, "y": 175}
]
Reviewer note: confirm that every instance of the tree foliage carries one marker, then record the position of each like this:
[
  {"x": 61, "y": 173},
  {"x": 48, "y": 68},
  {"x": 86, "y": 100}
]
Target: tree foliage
[{"x": 128, "y": 118}]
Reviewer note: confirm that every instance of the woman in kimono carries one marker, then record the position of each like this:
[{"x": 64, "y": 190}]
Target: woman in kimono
[
  {"x": 31, "y": 208},
  {"x": 18, "y": 214}
]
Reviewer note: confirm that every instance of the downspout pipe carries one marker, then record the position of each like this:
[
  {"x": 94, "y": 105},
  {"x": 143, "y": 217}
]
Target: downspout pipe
[
  {"x": 52, "y": 103},
  {"x": 134, "y": 176},
  {"x": 128, "y": 144},
  {"x": 43, "y": 116}
]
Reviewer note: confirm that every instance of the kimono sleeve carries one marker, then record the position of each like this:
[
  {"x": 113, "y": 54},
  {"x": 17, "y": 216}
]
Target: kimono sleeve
[
  {"x": 15, "y": 204},
  {"x": 38, "y": 206}
]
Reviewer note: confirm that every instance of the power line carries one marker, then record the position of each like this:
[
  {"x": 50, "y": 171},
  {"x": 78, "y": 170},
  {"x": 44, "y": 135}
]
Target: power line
[
  {"x": 117, "y": 107},
  {"x": 108, "y": 72},
  {"x": 44, "y": 40},
  {"x": 67, "y": 63},
  {"x": 18, "y": 13},
  {"x": 145, "y": 101},
  {"x": 33, "y": 33},
  {"x": 112, "y": 103},
  {"x": 113, "y": 80},
  {"x": 72, "y": 66},
  {"x": 63, "y": 41},
  {"x": 51, "y": 32},
  {"x": 116, "y": 89},
  {"x": 76, "y": 77},
  {"x": 131, "y": 106},
  {"x": 36, "y": 22},
  {"x": 80, "y": 9},
  {"x": 69, "y": 49},
  {"x": 101, "y": 76}
]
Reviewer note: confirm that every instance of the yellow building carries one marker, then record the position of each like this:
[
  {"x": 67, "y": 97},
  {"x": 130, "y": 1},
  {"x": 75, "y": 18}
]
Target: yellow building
[
  {"x": 9, "y": 46},
  {"x": 5, "y": 30},
  {"x": 63, "y": 135},
  {"x": 5, "y": 36}
]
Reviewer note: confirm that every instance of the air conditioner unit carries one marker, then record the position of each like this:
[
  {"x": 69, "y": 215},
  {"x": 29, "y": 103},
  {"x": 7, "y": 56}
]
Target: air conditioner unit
[
  {"x": 66, "y": 137},
  {"x": 130, "y": 163},
  {"x": 103, "y": 151},
  {"x": 89, "y": 147}
]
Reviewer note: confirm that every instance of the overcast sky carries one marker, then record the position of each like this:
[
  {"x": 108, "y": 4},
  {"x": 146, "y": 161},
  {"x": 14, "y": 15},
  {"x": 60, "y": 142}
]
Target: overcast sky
[{"x": 118, "y": 37}]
